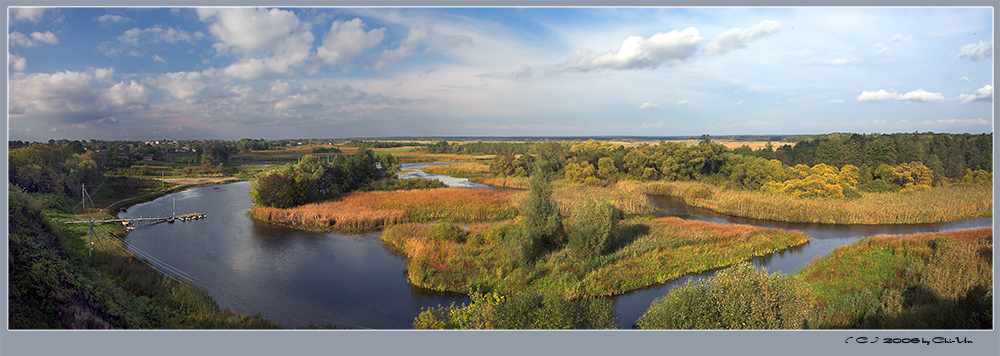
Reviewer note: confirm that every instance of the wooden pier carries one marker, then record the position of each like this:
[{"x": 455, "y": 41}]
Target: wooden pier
[{"x": 153, "y": 220}]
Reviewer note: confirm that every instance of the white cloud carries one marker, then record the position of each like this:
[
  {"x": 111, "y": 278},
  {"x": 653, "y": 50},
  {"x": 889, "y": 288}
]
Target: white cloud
[
  {"x": 20, "y": 39},
  {"x": 111, "y": 18},
  {"x": 154, "y": 34},
  {"x": 880, "y": 48},
  {"x": 965, "y": 79},
  {"x": 964, "y": 122},
  {"x": 983, "y": 94},
  {"x": 75, "y": 97},
  {"x": 916, "y": 95},
  {"x": 685, "y": 103},
  {"x": 186, "y": 86},
  {"x": 836, "y": 101},
  {"x": 975, "y": 52},
  {"x": 407, "y": 47},
  {"x": 637, "y": 53},
  {"x": 16, "y": 63},
  {"x": 47, "y": 37},
  {"x": 738, "y": 103},
  {"x": 157, "y": 58},
  {"x": 649, "y": 106},
  {"x": 32, "y": 14},
  {"x": 921, "y": 95},
  {"x": 739, "y": 38},
  {"x": 346, "y": 39},
  {"x": 272, "y": 41},
  {"x": 899, "y": 38}
]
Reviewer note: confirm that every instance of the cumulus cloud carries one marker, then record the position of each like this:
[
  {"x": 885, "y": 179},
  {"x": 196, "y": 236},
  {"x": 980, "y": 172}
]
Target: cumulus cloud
[
  {"x": 75, "y": 97},
  {"x": 111, "y": 18},
  {"x": 16, "y": 63},
  {"x": 186, "y": 86},
  {"x": 637, "y": 53},
  {"x": 346, "y": 39},
  {"x": 976, "y": 51},
  {"x": 32, "y": 14},
  {"x": 983, "y": 94},
  {"x": 36, "y": 38},
  {"x": 649, "y": 106},
  {"x": 916, "y": 95},
  {"x": 154, "y": 34},
  {"x": 272, "y": 41},
  {"x": 407, "y": 47},
  {"x": 685, "y": 103},
  {"x": 739, "y": 38}
]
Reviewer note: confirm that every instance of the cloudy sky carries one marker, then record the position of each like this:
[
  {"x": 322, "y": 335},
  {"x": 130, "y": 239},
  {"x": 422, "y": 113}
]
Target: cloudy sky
[{"x": 229, "y": 73}]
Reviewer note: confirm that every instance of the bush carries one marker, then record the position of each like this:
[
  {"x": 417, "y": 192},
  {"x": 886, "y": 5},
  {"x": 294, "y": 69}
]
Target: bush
[
  {"x": 739, "y": 297},
  {"x": 594, "y": 226},
  {"x": 446, "y": 232},
  {"x": 524, "y": 311}
]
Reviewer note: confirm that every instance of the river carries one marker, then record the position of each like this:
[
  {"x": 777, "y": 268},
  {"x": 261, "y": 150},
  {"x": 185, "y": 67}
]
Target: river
[{"x": 301, "y": 279}]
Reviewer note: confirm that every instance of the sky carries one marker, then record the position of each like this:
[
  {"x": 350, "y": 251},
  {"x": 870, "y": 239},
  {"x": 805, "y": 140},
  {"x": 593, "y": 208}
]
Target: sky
[{"x": 327, "y": 72}]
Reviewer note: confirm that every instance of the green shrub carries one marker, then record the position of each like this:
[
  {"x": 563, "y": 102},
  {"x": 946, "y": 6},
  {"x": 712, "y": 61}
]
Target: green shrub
[
  {"x": 594, "y": 226},
  {"x": 523, "y": 311},
  {"x": 739, "y": 297},
  {"x": 446, "y": 232}
]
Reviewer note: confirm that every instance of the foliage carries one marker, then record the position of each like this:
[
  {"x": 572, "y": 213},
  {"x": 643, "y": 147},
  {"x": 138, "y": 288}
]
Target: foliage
[
  {"x": 978, "y": 176},
  {"x": 595, "y": 223},
  {"x": 403, "y": 184},
  {"x": 738, "y": 297},
  {"x": 313, "y": 180},
  {"x": 41, "y": 168},
  {"x": 446, "y": 232},
  {"x": 541, "y": 224},
  {"x": 520, "y": 311}
]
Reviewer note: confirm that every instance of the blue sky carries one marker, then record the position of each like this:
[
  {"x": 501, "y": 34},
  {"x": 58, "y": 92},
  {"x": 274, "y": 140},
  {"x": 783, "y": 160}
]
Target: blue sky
[{"x": 229, "y": 73}]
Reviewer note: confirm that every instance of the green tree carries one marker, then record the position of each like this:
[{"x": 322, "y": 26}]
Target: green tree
[{"x": 541, "y": 226}]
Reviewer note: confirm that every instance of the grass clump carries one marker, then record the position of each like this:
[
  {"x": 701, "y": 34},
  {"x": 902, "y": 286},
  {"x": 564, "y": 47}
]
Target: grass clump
[{"x": 520, "y": 311}]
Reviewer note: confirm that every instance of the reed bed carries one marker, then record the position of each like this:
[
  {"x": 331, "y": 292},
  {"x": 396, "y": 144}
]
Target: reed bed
[
  {"x": 647, "y": 252},
  {"x": 459, "y": 169},
  {"x": 364, "y": 211},
  {"x": 930, "y": 280},
  {"x": 938, "y": 204},
  {"x": 503, "y": 182}
]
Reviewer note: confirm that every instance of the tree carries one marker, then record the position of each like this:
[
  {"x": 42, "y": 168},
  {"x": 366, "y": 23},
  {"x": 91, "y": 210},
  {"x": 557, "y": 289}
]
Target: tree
[{"x": 541, "y": 226}]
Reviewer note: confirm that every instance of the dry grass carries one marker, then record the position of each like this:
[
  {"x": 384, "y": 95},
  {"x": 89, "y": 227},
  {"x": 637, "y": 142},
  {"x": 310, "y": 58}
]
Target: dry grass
[
  {"x": 503, "y": 182},
  {"x": 938, "y": 204},
  {"x": 459, "y": 169},
  {"x": 363, "y": 211}
]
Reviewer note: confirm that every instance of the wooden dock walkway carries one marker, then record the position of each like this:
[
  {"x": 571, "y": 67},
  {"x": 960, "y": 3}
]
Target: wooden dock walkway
[{"x": 185, "y": 217}]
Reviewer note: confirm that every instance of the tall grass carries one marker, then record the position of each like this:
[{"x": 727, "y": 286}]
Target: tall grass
[
  {"x": 645, "y": 252},
  {"x": 361, "y": 211},
  {"x": 459, "y": 169},
  {"x": 938, "y": 204},
  {"x": 920, "y": 281}
]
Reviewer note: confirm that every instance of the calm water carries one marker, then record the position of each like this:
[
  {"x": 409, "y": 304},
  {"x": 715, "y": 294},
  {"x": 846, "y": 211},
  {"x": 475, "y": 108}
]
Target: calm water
[{"x": 302, "y": 278}]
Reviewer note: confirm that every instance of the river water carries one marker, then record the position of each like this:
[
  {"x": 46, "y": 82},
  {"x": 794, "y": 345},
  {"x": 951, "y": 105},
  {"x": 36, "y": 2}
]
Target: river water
[{"x": 301, "y": 279}]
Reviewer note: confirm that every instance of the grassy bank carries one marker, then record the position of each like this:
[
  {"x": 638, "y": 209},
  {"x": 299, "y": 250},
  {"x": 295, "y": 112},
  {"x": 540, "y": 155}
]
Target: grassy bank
[
  {"x": 363, "y": 211},
  {"x": 54, "y": 285},
  {"x": 939, "y": 280},
  {"x": 646, "y": 252},
  {"x": 938, "y": 204}
]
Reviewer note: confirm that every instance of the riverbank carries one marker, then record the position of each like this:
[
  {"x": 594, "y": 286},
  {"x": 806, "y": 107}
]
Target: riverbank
[{"x": 57, "y": 282}]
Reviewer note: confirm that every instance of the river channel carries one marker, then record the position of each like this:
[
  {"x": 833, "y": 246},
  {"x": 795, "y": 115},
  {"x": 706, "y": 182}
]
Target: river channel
[{"x": 301, "y": 279}]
